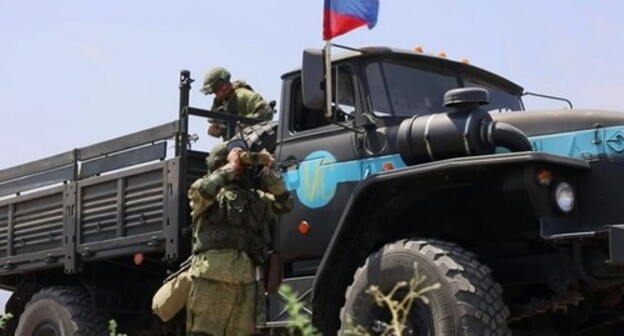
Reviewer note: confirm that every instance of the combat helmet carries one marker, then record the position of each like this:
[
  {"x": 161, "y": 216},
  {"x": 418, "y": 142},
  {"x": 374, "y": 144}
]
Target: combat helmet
[
  {"x": 216, "y": 75},
  {"x": 217, "y": 157}
]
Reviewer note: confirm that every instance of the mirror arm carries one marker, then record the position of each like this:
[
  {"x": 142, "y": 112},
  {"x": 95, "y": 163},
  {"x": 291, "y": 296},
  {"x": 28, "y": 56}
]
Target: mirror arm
[{"x": 358, "y": 131}]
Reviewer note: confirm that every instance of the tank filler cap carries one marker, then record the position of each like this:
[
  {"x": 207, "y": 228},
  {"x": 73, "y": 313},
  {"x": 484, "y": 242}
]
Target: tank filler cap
[{"x": 463, "y": 99}]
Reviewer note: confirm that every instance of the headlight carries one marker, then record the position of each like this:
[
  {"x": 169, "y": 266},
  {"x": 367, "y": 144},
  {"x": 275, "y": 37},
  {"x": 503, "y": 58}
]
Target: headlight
[{"x": 564, "y": 197}]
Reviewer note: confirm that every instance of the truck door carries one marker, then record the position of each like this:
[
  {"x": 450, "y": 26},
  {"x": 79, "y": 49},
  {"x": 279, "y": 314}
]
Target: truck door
[{"x": 320, "y": 163}]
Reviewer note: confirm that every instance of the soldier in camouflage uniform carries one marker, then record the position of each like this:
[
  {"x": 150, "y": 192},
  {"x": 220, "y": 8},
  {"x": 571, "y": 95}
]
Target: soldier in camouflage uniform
[
  {"x": 236, "y": 97},
  {"x": 229, "y": 241}
]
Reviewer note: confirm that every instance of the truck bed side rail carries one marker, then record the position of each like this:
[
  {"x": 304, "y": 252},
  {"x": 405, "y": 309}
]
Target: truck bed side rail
[
  {"x": 61, "y": 210},
  {"x": 144, "y": 146}
]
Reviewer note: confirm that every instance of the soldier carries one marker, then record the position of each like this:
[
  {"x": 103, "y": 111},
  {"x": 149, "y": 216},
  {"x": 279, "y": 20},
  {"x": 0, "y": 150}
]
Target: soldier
[
  {"x": 237, "y": 97},
  {"x": 230, "y": 218}
]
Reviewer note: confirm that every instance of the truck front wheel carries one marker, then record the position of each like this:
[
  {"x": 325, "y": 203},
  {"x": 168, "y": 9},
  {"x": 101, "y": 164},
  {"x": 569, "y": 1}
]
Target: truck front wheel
[
  {"x": 468, "y": 301},
  {"x": 61, "y": 311}
]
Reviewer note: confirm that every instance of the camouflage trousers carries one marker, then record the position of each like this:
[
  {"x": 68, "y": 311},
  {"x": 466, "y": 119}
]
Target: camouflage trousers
[{"x": 220, "y": 309}]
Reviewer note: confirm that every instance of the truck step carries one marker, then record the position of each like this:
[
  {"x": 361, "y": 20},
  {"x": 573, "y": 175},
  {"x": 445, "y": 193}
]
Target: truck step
[{"x": 278, "y": 317}]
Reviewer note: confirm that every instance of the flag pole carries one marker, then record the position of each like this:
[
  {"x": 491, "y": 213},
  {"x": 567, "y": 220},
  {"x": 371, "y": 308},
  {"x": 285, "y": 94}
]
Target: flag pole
[{"x": 328, "y": 79}]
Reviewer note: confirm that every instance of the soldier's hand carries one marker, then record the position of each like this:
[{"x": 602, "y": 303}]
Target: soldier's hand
[
  {"x": 270, "y": 159},
  {"x": 214, "y": 129},
  {"x": 263, "y": 158},
  {"x": 234, "y": 160}
]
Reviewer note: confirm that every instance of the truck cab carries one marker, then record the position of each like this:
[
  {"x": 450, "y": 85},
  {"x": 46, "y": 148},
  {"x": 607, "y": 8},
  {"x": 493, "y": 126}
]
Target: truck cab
[
  {"x": 375, "y": 90},
  {"x": 412, "y": 158}
]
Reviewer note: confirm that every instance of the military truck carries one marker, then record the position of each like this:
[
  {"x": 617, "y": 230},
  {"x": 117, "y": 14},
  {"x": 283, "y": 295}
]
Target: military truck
[{"x": 415, "y": 160}]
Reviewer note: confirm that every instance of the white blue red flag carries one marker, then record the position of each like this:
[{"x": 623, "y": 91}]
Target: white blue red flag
[{"x": 342, "y": 16}]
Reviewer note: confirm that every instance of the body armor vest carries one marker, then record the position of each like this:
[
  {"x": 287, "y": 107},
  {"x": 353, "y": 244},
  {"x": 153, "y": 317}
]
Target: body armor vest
[{"x": 236, "y": 221}]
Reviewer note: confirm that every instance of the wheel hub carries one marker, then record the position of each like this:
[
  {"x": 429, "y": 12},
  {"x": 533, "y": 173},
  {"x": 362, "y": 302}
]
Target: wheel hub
[
  {"x": 47, "y": 328},
  {"x": 419, "y": 320}
]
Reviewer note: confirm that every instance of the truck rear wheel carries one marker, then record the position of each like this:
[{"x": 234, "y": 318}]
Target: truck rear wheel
[
  {"x": 467, "y": 303},
  {"x": 61, "y": 311}
]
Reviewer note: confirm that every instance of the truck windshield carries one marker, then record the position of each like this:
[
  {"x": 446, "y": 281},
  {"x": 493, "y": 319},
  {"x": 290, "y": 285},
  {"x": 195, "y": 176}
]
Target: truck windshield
[{"x": 400, "y": 89}]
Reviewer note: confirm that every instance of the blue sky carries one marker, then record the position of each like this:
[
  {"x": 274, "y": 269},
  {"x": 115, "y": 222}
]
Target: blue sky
[
  {"x": 73, "y": 73},
  {"x": 77, "y": 72}
]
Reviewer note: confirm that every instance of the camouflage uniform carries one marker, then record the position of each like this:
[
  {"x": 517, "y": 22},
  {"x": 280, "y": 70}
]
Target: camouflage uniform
[
  {"x": 243, "y": 100},
  {"x": 230, "y": 225}
]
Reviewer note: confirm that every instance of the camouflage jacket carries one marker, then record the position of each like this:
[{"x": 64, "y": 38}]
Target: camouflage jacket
[
  {"x": 221, "y": 208},
  {"x": 245, "y": 102}
]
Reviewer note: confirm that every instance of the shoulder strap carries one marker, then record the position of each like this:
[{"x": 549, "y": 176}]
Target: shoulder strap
[{"x": 237, "y": 84}]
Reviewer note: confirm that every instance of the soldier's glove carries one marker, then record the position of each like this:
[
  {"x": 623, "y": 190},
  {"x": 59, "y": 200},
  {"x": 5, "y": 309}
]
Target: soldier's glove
[
  {"x": 214, "y": 129},
  {"x": 273, "y": 181},
  {"x": 262, "y": 158}
]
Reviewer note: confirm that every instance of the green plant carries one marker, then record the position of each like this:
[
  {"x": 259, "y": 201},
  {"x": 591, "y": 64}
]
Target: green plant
[
  {"x": 298, "y": 323},
  {"x": 112, "y": 328},
  {"x": 399, "y": 308},
  {"x": 4, "y": 319}
]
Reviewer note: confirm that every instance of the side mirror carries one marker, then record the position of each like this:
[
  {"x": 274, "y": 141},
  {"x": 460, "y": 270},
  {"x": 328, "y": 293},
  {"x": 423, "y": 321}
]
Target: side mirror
[{"x": 312, "y": 76}]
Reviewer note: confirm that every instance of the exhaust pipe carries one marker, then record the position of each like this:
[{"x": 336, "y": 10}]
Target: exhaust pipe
[{"x": 504, "y": 135}]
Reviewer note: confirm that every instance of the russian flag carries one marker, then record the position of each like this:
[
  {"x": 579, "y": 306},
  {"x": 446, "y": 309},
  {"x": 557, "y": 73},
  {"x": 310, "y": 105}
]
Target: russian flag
[{"x": 342, "y": 16}]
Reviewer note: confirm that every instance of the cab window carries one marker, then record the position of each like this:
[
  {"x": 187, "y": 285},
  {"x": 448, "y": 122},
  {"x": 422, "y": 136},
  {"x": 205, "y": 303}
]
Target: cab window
[
  {"x": 404, "y": 90},
  {"x": 304, "y": 118}
]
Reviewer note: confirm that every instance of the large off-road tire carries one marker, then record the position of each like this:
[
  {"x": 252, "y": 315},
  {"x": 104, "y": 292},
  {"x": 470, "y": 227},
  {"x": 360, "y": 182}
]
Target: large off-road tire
[
  {"x": 468, "y": 303},
  {"x": 61, "y": 311}
]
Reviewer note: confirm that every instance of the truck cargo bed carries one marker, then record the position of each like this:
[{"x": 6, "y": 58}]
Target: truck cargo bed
[{"x": 116, "y": 198}]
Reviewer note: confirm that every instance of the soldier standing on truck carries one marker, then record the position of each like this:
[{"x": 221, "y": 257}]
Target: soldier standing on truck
[
  {"x": 233, "y": 97},
  {"x": 231, "y": 217}
]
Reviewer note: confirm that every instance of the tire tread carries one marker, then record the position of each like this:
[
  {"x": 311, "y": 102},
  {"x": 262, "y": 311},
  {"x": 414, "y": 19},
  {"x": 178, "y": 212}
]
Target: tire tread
[
  {"x": 481, "y": 309},
  {"x": 78, "y": 303}
]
